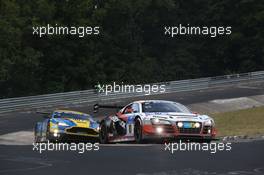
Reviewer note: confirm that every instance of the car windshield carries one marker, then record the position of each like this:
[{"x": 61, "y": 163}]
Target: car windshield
[
  {"x": 71, "y": 115},
  {"x": 164, "y": 107}
]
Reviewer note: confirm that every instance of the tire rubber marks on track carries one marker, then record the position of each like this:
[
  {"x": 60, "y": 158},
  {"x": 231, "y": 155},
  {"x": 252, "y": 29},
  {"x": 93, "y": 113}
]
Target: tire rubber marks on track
[
  {"x": 26, "y": 138},
  {"x": 256, "y": 171},
  {"x": 17, "y": 138}
]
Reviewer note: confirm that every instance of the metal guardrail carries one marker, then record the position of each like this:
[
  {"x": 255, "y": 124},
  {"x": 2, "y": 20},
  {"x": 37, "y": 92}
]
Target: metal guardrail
[{"x": 91, "y": 96}]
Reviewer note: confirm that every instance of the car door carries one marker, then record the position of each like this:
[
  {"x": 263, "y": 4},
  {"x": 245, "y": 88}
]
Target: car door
[{"x": 128, "y": 116}]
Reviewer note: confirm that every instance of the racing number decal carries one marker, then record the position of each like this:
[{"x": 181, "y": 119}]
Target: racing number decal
[
  {"x": 130, "y": 126},
  {"x": 130, "y": 129}
]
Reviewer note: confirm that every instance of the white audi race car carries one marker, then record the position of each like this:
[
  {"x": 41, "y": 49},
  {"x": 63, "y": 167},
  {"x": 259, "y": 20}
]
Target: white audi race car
[{"x": 155, "y": 119}]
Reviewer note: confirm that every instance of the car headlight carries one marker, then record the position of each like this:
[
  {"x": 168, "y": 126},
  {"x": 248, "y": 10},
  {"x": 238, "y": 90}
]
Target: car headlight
[
  {"x": 180, "y": 124},
  {"x": 197, "y": 125},
  {"x": 62, "y": 124},
  {"x": 155, "y": 121},
  {"x": 208, "y": 123}
]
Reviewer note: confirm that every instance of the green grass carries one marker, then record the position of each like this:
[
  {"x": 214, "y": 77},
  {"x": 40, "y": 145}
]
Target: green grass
[{"x": 248, "y": 122}]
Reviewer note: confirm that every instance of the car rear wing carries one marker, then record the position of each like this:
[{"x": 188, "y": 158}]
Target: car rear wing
[
  {"x": 97, "y": 106},
  {"x": 42, "y": 112}
]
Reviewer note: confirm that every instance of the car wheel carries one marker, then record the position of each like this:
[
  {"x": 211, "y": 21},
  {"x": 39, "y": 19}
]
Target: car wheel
[
  {"x": 103, "y": 135},
  {"x": 48, "y": 133},
  {"x": 138, "y": 131},
  {"x": 36, "y": 138}
]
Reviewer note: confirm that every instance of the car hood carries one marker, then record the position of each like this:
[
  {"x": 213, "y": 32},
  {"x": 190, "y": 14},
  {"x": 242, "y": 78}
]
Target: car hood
[
  {"x": 77, "y": 122},
  {"x": 175, "y": 116}
]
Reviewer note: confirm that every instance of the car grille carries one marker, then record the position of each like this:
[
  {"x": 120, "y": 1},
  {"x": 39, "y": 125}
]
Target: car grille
[
  {"x": 190, "y": 130},
  {"x": 77, "y": 130}
]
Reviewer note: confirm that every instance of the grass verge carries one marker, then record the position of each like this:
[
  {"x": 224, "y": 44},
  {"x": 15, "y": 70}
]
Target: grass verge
[{"x": 248, "y": 122}]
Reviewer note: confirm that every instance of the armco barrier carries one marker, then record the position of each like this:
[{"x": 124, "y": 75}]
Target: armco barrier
[{"x": 91, "y": 96}]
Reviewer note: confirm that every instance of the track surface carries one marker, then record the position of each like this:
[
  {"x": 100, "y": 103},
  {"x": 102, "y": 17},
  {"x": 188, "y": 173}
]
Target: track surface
[{"x": 245, "y": 158}]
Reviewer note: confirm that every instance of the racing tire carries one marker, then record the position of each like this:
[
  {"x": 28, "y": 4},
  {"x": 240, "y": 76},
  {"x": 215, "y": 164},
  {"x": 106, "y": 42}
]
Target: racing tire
[
  {"x": 36, "y": 138},
  {"x": 103, "y": 134},
  {"x": 47, "y": 139},
  {"x": 48, "y": 136},
  {"x": 138, "y": 131}
]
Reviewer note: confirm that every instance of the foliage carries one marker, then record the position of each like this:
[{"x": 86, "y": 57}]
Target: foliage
[{"x": 131, "y": 47}]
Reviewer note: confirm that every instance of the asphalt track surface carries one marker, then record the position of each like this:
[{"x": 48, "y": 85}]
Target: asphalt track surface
[{"x": 245, "y": 158}]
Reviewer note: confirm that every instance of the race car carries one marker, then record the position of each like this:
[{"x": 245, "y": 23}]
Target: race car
[
  {"x": 154, "y": 120},
  {"x": 65, "y": 125}
]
